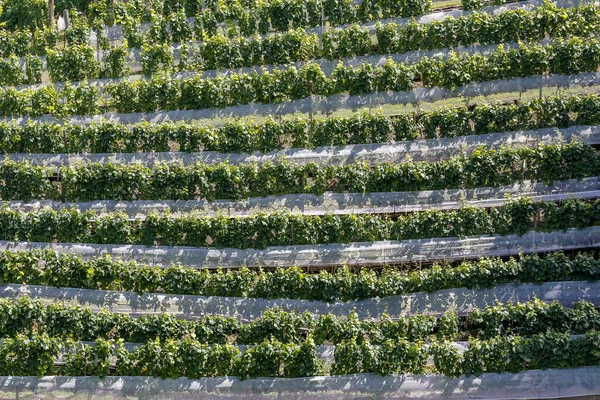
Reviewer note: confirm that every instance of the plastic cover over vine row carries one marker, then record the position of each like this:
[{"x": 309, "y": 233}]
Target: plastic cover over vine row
[
  {"x": 461, "y": 300},
  {"x": 335, "y": 203},
  {"x": 374, "y": 153},
  {"x": 319, "y": 104},
  {"x": 361, "y": 253},
  {"x": 535, "y": 384}
]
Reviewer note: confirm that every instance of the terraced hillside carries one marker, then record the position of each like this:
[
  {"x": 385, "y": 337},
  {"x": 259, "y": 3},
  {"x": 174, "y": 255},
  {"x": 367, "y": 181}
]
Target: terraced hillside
[{"x": 299, "y": 199}]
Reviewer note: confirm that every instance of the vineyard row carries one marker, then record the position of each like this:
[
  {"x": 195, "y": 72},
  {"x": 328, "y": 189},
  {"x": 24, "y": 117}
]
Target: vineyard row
[
  {"x": 37, "y": 355},
  {"x": 162, "y": 92},
  {"x": 27, "y": 316},
  {"x": 243, "y": 136},
  {"x": 80, "y": 61},
  {"x": 482, "y": 168},
  {"x": 70, "y": 270},
  {"x": 167, "y": 21},
  {"x": 263, "y": 230}
]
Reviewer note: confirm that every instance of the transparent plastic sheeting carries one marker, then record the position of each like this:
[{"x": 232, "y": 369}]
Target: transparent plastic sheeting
[
  {"x": 326, "y": 66},
  {"x": 319, "y": 104},
  {"x": 461, "y": 300},
  {"x": 374, "y": 153},
  {"x": 534, "y": 384},
  {"x": 335, "y": 203},
  {"x": 362, "y": 253}
]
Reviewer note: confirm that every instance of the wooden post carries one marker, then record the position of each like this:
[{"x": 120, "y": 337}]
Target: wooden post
[
  {"x": 51, "y": 12},
  {"x": 322, "y": 25},
  {"x": 67, "y": 21}
]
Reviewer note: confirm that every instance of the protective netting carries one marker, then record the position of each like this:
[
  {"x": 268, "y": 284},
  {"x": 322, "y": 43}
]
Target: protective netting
[
  {"x": 535, "y": 384},
  {"x": 325, "y": 105},
  {"x": 430, "y": 150},
  {"x": 363, "y": 253},
  {"x": 335, "y": 203},
  {"x": 461, "y": 300}
]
